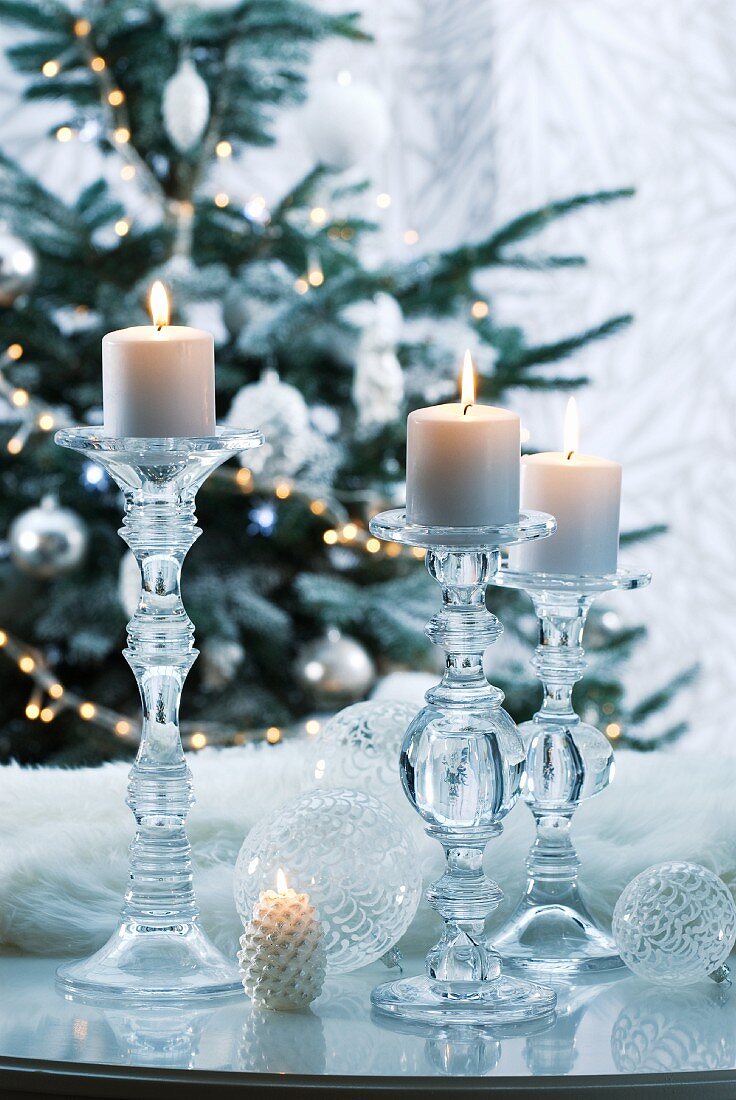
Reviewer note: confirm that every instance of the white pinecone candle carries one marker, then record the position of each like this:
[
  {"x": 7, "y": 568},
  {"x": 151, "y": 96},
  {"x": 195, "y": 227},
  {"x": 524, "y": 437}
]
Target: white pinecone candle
[{"x": 282, "y": 956}]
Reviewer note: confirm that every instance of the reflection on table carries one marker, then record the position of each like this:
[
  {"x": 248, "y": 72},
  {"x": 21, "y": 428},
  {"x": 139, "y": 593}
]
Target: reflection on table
[{"x": 614, "y": 1026}]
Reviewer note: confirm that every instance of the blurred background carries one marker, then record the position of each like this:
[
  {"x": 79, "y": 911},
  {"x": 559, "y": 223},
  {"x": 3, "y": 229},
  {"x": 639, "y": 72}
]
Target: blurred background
[{"x": 347, "y": 203}]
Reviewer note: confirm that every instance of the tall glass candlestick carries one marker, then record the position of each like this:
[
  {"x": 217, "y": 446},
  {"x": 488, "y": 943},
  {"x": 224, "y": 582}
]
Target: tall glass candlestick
[
  {"x": 461, "y": 766},
  {"x": 158, "y": 951},
  {"x": 568, "y": 761}
]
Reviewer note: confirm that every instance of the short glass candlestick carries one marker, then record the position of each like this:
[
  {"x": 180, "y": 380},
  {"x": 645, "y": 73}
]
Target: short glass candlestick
[
  {"x": 158, "y": 951},
  {"x": 461, "y": 766},
  {"x": 567, "y": 762}
]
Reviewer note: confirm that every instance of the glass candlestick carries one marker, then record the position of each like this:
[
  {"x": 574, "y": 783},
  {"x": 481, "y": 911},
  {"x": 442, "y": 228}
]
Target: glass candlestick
[
  {"x": 567, "y": 762},
  {"x": 461, "y": 766},
  {"x": 158, "y": 951}
]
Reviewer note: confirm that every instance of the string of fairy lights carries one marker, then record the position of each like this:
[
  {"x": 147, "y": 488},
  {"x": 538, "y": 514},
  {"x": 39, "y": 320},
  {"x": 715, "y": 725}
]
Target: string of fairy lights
[{"x": 49, "y": 697}]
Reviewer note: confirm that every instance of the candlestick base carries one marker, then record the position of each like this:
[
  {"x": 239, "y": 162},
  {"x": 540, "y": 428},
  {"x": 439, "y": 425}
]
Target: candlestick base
[
  {"x": 551, "y": 931},
  {"x": 461, "y": 766},
  {"x": 159, "y": 951},
  {"x": 137, "y": 963},
  {"x": 504, "y": 1001}
]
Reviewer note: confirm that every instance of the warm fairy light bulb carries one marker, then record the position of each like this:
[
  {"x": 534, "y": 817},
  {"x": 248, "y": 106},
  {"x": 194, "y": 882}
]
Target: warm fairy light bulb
[
  {"x": 571, "y": 430},
  {"x": 273, "y": 735},
  {"x": 223, "y": 149},
  {"x": 373, "y": 546},
  {"x": 411, "y": 236},
  {"x": 26, "y": 664},
  {"x": 127, "y": 172},
  {"x": 222, "y": 199},
  {"x": 281, "y": 883},
  {"x": 97, "y": 64},
  {"x": 82, "y": 27},
  {"x": 87, "y": 711},
  {"x": 467, "y": 387},
  {"x": 383, "y": 200},
  {"x": 56, "y": 691},
  {"x": 121, "y": 227},
  {"x": 479, "y": 309},
  {"x": 20, "y": 398},
  {"x": 46, "y": 422},
  {"x": 198, "y": 741},
  {"x": 64, "y": 133},
  {"x": 50, "y": 68},
  {"x": 158, "y": 304},
  {"x": 115, "y": 97},
  {"x": 122, "y": 728},
  {"x": 121, "y": 135},
  {"x": 14, "y": 351}
]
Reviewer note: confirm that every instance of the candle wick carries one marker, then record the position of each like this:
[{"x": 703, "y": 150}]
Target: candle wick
[
  {"x": 159, "y": 327},
  {"x": 468, "y": 406},
  {"x": 569, "y": 455}
]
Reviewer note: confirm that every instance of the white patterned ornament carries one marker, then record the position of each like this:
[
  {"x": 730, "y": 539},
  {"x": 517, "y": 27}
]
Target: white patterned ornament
[
  {"x": 378, "y": 385},
  {"x": 186, "y": 106},
  {"x": 282, "y": 956},
  {"x": 47, "y": 540},
  {"x": 279, "y": 411},
  {"x": 359, "y": 748},
  {"x": 675, "y": 924},
  {"x": 353, "y": 857}
]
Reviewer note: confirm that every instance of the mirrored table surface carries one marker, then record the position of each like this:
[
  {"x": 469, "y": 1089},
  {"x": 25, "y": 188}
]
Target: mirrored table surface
[{"x": 616, "y": 1035}]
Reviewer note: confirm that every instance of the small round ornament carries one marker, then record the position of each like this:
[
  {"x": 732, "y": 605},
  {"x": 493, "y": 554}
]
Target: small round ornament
[
  {"x": 335, "y": 669},
  {"x": 47, "y": 540},
  {"x": 675, "y": 924},
  {"x": 350, "y": 854},
  {"x": 345, "y": 125},
  {"x": 186, "y": 106},
  {"x": 282, "y": 414},
  {"x": 359, "y": 747},
  {"x": 18, "y": 265}
]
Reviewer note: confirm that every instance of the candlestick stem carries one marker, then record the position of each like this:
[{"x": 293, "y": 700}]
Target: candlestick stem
[
  {"x": 158, "y": 951},
  {"x": 568, "y": 761}
]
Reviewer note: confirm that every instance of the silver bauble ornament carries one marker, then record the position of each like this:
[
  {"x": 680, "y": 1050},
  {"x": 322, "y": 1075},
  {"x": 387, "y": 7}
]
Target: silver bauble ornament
[
  {"x": 186, "y": 106},
  {"x": 675, "y": 924},
  {"x": 345, "y": 125},
  {"x": 18, "y": 264},
  {"x": 335, "y": 669},
  {"x": 47, "y": 540},
  {"x": 282, "y": 414}
]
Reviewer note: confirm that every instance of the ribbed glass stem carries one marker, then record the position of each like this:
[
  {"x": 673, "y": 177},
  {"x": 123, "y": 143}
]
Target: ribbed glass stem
[
  {"x": 559, "y": 658},
  {"x": 160, "y": 528}
]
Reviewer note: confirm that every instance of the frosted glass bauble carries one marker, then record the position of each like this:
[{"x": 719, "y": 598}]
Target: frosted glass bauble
[
  {"x": 359, "y": 747},
  {"x": 675, "y": 923},
  {"x": 349, "y": 852}
]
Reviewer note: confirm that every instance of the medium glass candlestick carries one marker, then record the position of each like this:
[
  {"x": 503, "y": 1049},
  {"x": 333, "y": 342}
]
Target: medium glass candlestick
[
  {"x": 158, "y": 951},
  {"x": 461, "y": 766},
  {"x": 567, "y": 762}
]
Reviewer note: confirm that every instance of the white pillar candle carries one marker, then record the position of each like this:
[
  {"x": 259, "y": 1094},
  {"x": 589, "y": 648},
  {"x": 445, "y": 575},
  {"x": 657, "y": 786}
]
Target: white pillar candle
[
  {"x": 158, "y": 380},
  {"x": 462, "y": 463},
  {"x": 583, "y": 493}
]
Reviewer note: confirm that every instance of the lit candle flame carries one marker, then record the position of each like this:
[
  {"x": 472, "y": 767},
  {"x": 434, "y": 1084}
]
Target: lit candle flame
[
  {"x": 159, "y": 305},
  {"x": 467, "y": 389},
  {"x": 281, "y": 885},
  {"x": 571, "y": 430}
]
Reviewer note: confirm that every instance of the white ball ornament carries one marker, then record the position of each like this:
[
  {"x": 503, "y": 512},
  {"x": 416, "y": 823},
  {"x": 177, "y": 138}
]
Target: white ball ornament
[
  {"x": 18, "y": 264},
  {"x": 345, "y": 125},
  {"x": 47, "y": 540},
  {"x": 349, "y": 852},
  {"x": 281, "y": 413},
  {"x": 675, "y": 924},
  {"x": 359, "y": 748},
  {"x": 378, "y": 386},
  {"x": 186, "y": 106}
]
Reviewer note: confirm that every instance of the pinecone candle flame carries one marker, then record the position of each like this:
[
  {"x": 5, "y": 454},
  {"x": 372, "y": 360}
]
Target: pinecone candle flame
[{"x": 282, "y": 957}]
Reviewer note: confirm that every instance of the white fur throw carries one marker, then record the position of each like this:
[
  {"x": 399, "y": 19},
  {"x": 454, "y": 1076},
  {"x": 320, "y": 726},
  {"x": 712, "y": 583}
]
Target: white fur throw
[{"x": 64, "y": 837}]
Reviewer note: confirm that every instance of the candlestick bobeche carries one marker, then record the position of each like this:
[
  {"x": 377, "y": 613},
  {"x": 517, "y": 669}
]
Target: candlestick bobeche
[
  {"x": 567, "y": 761},
  {"x": 158, "y": 951},
  {"x": 461, "y": 766}
]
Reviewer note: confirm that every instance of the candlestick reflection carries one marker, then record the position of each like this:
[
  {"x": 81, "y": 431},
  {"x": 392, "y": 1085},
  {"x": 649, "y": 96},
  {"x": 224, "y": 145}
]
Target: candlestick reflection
[
  {"x": 159, "y": 305},
  {"x": 571, "y": 429},
  {"x": 467, "y": 389}
]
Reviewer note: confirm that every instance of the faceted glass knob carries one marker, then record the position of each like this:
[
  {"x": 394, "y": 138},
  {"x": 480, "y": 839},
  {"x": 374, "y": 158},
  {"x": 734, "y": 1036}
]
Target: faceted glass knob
[{"x": 566, "y": 763}]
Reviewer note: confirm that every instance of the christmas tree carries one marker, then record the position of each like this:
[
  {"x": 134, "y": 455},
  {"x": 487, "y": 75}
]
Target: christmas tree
[{"x": 297, "y": 607}]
